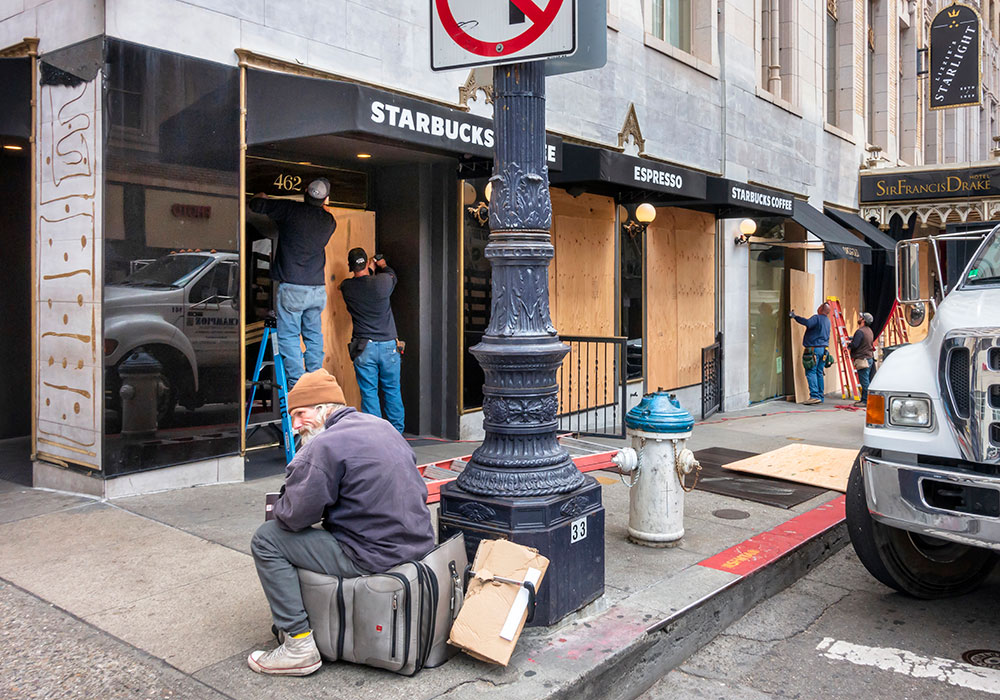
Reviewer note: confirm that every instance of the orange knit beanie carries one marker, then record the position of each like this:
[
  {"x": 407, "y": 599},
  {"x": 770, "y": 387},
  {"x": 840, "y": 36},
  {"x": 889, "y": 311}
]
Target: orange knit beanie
[{"x": 314, "y": 388}]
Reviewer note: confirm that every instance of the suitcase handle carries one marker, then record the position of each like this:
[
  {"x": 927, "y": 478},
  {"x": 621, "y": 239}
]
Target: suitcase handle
[{"x": 527, "y": 585}]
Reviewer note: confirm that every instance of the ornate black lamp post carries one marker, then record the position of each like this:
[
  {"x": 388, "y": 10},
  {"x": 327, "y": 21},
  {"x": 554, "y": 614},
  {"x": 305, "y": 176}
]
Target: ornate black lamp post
[{"x": 521, "y": 483}]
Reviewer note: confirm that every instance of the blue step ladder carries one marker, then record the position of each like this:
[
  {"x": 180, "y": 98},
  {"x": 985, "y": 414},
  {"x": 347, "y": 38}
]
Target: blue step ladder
[{"x": 280, "y": 382}]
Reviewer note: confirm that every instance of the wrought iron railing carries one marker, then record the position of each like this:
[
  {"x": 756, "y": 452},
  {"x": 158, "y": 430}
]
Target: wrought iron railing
[
  {"x": 711, "y": 378},
  {"x": 592, "y": 397}
]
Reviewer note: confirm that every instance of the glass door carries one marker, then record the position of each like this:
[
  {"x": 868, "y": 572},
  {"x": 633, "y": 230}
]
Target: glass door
[{"x": 768, "y": 322}]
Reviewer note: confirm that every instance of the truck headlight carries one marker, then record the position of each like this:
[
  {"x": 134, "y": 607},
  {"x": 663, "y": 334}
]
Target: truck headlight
[{"x": 910, "y": 412}]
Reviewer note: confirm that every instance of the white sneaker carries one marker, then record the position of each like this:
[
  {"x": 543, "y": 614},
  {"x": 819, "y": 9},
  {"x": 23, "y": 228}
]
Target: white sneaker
[{"x": 295, "y": 657}]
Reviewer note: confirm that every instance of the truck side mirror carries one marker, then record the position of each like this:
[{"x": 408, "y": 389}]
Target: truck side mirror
[
  {"x": 908, "y": 272},
  {"x": 915, "y": 313}
]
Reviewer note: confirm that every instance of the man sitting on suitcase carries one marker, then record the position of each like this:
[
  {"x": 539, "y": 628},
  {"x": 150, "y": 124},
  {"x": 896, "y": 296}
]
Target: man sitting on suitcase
[{"x": 357, "y": 475}]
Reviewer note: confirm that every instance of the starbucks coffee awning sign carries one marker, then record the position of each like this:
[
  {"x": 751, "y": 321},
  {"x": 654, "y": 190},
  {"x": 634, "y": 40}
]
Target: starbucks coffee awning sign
[{"x": 955, "y": 58}]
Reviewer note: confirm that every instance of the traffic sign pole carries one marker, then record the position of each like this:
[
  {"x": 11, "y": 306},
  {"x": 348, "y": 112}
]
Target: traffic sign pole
[{"x": 521, "y": 483}]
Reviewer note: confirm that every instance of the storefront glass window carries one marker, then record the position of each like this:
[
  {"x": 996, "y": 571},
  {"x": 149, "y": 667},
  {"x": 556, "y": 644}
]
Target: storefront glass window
[
  {"x": 171, "y": 258},
  {"x": 631, "y": 245},
  {"x": 476, "y": 290}
]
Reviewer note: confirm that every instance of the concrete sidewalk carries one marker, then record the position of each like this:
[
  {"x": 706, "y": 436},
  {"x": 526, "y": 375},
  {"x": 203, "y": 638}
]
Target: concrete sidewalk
[{"x": 157, "y": 596}]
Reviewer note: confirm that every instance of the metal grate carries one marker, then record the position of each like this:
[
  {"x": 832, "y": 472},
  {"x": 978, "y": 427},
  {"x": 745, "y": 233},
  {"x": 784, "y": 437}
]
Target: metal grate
[
  {"x": 711, "y": 378},
  {"x": 958, "y": 381}
]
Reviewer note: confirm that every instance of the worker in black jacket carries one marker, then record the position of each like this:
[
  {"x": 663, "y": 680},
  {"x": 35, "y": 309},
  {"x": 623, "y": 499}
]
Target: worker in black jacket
[
  {"x": 304, "y": 228},
  {"x": 374, "y": 348}
]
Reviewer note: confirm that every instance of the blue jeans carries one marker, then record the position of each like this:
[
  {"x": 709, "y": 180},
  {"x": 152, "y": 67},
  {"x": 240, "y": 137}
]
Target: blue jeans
[
  {"x": 864, "y": 378},
  {"x": 379, "y": 365},
  {"x": 814, "y": 377},
  {"x": 300, "y": 312}
]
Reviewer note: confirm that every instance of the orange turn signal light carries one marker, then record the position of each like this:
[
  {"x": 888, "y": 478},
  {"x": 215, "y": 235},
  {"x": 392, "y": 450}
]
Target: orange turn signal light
[{"x": 875, "y": 414}]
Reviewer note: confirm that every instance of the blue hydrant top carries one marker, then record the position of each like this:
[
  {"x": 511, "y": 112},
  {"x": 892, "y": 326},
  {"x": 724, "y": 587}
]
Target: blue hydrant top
[{"x": 659, "y": 412}]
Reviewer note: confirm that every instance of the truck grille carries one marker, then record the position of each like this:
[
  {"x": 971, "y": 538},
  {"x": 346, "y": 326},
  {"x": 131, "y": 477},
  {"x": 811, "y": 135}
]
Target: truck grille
[
  {"x": 969, "y": 380},
  {"x": 958, "y": 381}
]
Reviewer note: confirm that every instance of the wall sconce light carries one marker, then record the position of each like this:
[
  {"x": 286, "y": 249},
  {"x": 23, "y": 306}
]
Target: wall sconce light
[
  {"x": 644, "y": 215},
  {"x": 480, "y": 210},
  {"x": 748, "y": 227}
]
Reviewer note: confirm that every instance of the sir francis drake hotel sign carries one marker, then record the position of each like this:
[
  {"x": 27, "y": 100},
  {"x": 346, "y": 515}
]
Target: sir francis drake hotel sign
[{"x": 931, "y": 185}]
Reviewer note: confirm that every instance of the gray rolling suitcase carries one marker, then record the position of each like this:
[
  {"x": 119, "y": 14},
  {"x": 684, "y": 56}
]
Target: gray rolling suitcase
[{"x": 398, "y": 620}]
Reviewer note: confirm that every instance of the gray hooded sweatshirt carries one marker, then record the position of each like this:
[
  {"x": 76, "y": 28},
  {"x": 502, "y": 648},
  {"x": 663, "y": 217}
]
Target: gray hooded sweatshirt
[{"x": 359, "y": 477}]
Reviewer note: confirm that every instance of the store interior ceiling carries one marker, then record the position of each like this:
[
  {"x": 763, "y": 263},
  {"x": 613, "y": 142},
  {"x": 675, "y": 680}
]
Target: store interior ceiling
[{"x": 342, "y": 151}]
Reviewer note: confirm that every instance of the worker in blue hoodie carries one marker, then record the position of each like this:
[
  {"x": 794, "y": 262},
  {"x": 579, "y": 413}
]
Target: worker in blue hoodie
[
  {"x": 814, "y": 353},
  {"x": 357, "y": 476}
]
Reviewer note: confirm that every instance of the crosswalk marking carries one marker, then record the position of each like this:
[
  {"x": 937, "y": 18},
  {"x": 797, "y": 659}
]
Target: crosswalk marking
[{"x": 984, "y": 680}]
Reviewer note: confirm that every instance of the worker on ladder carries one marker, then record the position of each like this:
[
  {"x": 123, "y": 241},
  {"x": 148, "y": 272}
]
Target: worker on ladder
[{"x": 814, "y": 352}]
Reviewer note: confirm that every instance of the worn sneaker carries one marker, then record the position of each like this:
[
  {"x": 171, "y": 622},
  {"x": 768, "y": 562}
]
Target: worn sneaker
[
  {"x": 295, "y": 657},
  {"x": 861, "y": 403},
  {"x": 811, "y": 402}
]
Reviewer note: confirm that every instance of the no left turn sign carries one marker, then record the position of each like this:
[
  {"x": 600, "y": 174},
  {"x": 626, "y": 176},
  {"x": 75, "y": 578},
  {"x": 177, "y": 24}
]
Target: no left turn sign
[{"x": 485, "y": 32}]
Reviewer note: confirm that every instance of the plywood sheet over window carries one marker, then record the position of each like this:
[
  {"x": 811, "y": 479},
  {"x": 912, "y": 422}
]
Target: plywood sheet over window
[
  {"x": 582, "y": 293},
  {"x": 841, "y": 279},
  {"x": 355, "y": 229},
  {"x": 680, "y": 296}
]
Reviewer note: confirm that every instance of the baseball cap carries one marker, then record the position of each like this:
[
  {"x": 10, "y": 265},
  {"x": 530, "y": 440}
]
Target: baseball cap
[
  {"x": 357, "y": 258},
  {"x": 869, "y": 319},
  {"x": 319, "y": 189}
]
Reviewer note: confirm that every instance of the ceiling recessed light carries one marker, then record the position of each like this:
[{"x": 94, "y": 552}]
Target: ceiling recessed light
[
  {"x": 13, "y": 147},
  {"x": 364, "y": 155}
]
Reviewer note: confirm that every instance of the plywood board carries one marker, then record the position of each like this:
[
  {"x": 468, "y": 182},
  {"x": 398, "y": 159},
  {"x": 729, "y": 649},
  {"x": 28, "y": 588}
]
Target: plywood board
[
  {"x": 695, "y": 260},
  {"x": 800, "y": 297},
  {"x": 355, "y": 229},
  {"x": 661, "y": 302},
  {"x": 825, "y": 467},
  {"x": 842, "y": 279},
  {"x": 582, "y": 296}
]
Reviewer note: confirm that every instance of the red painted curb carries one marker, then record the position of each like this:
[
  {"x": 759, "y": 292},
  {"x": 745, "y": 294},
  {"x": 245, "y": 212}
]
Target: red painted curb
[{"x": 760, "y": 550}]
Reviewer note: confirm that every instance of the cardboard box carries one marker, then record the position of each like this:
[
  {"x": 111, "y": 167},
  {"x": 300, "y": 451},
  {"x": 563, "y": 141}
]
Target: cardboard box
[{"x": 494, "y": 612}]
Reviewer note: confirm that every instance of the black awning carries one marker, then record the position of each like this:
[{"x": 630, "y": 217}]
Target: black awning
[
  {"x": 859, "y": 225},
  {"x": 610, "y": 172},
  {"x": 733, "y": 198},
  {"x": 282, "y": 107},
  {"x": 840, "y": 243}
]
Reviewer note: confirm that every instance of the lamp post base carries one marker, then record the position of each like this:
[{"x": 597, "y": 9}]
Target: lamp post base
[{"x": 566, "y": 528}]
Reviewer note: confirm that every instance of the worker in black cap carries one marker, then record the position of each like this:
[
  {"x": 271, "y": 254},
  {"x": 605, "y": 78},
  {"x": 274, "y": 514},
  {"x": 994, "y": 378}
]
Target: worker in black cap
[
  {"x": 374, "y": 348},
  {"x": 304, "y": 229},
  {"x": 862, "y": 349}
]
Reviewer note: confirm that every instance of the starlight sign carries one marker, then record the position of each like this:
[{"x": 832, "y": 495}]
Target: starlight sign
[
  {"x": 955, "y": 58},
  {"x": 490, "y": 32}
]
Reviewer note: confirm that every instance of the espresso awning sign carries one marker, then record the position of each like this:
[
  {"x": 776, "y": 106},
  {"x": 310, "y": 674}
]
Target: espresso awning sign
[
  {"x": 931, "y": 185},
  {"x": 955, "y": 58}
]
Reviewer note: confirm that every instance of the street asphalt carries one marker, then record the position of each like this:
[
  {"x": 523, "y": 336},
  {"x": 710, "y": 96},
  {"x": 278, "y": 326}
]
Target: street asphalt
[
  {"x": 156, "y": 596},
  {"x": 839, "y": 633}
]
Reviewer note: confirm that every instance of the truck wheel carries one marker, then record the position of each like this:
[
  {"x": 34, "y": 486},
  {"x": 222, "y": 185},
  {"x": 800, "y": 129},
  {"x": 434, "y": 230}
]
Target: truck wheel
[{"x": 920, "y": 566}]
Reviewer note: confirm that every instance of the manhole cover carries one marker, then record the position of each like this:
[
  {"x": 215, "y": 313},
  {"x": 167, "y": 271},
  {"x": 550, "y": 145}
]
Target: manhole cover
[
  {"x": 987, "y": 658},
  {"x": 730, "y": 514}
]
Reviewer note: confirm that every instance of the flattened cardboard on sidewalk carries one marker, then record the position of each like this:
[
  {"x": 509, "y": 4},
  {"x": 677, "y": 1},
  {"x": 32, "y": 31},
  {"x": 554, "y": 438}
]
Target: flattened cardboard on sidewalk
[{"x": 489, "y": 602}]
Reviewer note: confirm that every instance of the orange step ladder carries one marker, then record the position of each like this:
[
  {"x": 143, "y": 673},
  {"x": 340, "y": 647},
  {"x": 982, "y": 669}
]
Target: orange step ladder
[
  {"x": 895, "y": 330},
  {"x": 845, "y": 366}
]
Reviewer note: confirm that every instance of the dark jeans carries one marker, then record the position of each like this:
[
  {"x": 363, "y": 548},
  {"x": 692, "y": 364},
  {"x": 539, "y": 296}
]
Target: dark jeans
[
  {"x": 277, "y": 553},
  {"x": 865, "y": 378},
  {"x": 814, "y": 376},
  {"x": 378, "y": 368}
]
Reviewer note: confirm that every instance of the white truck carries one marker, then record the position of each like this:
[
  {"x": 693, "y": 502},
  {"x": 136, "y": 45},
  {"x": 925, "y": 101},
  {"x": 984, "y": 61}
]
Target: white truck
[
  {"x": 183, "y": 309},
  {"x": 923, "y": 499}
]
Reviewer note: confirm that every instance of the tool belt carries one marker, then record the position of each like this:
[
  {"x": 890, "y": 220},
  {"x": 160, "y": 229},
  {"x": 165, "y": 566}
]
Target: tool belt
[{"x": 817, "y": 354}]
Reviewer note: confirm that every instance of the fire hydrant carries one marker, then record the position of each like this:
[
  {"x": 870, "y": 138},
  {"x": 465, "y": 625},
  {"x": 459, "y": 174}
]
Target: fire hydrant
[
  {"x": 659, "y": 465},
  {"x": 141, "y": 377}
]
